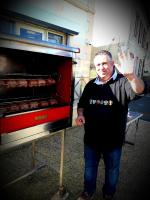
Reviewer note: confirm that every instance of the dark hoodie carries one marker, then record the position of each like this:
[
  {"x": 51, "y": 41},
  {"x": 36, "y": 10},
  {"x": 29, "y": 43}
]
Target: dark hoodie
[{"x": 105, "y": 110}]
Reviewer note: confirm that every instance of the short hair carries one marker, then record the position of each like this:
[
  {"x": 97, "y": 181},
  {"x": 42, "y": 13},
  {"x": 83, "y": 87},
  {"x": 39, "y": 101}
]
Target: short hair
[{"x": 104, "y": 52}]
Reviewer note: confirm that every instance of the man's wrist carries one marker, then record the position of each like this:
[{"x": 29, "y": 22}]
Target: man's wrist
[{"x": 130, "y": 77}]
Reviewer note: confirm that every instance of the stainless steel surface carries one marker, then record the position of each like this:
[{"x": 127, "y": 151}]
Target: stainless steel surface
[
  {"x": 28, "y": 134},
  {"x": 133, "y": 116},
  {"x": 7, "y": 146},
  {"x": 24, "y": 44}
]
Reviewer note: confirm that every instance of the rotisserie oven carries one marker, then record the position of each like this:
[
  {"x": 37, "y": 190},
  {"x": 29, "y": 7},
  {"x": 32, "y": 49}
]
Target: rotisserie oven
[{"x": 36, "y": 83}]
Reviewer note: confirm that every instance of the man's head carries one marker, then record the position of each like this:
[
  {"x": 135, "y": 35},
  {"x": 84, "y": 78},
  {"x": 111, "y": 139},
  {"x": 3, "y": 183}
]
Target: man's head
[{"x": 104, "y": 64}]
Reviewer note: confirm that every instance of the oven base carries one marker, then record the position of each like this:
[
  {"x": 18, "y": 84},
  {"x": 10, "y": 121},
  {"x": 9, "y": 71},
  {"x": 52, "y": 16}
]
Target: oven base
[{"x": 33, "y": 133}]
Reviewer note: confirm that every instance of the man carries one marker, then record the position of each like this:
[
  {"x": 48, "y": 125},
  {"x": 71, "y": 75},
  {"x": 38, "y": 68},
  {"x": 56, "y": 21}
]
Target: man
[{"x": 103, "y": 109}]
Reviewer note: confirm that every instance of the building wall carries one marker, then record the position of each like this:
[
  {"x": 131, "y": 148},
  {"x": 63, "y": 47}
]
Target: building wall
[
  {"x": 111, "y": 22},
  {"x": 147, "y": 60},
  {"x": 123, "y": 36}
]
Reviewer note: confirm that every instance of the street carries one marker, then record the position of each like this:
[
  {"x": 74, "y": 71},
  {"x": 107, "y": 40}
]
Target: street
[{"x": 44, "y": 183}]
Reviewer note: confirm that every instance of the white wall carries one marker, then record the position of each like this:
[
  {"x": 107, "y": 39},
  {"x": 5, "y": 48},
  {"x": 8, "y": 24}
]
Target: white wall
[{"x": 111, "y": 21}]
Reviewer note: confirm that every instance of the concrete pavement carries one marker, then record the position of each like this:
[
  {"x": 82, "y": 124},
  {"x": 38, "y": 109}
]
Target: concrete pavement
[{"x": 44, "y": 183}]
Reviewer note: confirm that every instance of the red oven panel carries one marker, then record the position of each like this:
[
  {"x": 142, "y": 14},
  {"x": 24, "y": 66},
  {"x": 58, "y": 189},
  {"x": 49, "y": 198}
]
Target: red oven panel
[
  {"x": 64, "y": 86},
  {"x": 25, "y": 120}
]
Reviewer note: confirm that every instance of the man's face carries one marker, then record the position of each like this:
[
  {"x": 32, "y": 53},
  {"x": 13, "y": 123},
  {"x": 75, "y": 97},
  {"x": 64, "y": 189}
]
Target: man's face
[{"x": 104, "y": 67}]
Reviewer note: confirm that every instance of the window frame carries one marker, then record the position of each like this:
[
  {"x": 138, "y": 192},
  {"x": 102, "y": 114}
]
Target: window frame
[{"x": 38, "y": 25}]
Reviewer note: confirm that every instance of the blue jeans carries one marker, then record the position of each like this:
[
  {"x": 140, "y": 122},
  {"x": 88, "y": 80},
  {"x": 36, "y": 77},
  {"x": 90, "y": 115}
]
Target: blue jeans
[{"x": 112, "y": 165}]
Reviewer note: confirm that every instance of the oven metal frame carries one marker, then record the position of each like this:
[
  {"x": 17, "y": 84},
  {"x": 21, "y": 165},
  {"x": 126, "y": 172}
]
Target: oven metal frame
[
  {"x": 16, "y": 42},
  {"x": 24, "y": 135}
]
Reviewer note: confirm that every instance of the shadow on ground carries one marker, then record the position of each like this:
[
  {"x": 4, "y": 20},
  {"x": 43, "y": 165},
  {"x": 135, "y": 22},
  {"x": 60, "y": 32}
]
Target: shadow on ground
[{"x": 44, "y": 183}]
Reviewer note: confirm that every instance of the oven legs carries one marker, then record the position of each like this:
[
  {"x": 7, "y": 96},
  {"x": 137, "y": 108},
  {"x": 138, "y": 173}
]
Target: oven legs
[{"x": 62, "y": 194}]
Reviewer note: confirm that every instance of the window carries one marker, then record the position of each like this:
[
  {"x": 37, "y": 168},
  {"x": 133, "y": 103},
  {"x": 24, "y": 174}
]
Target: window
[
  {"x": 30, "y": 34},
  {"x": 140, "y": 69},
  {"x": 136, "y": 25},
  {"x": 39, "y": 33},
  {"x": 35, "y": 29},
  {"x": 144, "y": 38},
  {"x": 31, "y": 31},
  {"x": 7, "y": 26},
  {"x": 140, "y": 33},
  {"x": 54, "y": 38}
]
